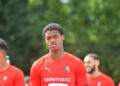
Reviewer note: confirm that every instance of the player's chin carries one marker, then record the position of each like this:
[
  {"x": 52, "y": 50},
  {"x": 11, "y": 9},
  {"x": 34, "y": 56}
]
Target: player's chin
[{"x": 53, "y": 49}]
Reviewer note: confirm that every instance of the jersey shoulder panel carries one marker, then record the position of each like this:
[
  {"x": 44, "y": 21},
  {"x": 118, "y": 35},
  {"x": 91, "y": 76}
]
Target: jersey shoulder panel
[
  {"x": 106, "y": 77},
  {"x": 39, "y": 64},
  {"x": 14, "y": 69},
  {"x": 74, "y": 59}
]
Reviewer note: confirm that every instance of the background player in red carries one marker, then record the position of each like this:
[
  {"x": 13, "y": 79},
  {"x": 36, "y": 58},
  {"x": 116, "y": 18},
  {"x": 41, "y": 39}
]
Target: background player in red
[
  {"x": 9, "y": 75},
  {"x": 57, "y": 68},
  {"x": 95, "y": 77}
]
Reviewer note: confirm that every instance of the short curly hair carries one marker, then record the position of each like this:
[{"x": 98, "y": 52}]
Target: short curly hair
[
  {"x": 53, "y": 26},
  {"x": 95, "y": 56}
]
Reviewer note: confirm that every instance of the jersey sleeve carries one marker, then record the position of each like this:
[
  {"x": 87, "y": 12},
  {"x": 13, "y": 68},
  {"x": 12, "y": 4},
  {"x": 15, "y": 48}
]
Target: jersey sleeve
[
  {"x": 19, "y": 78},
  {"x": 81, "y": 77},
  {"x": 34, "y": 76},
  {"x": 110, "y": 82}
]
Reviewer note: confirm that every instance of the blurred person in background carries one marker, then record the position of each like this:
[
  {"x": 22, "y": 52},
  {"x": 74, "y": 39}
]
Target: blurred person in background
[
  {"x": 95, "y": 77},
  {"x": 9, "y": 75},
  {"x": 57, "y": 68}
]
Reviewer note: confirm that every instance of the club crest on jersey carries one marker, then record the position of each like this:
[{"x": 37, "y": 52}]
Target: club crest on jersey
[
  {"x": 67, "y": 68},
  {"x": 4, "y": 78}
]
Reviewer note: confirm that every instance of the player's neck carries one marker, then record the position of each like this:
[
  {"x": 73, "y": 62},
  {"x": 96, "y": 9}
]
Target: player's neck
[
  {"x": 57, "y": 55},
  {"x": 95, "y": 73},
  {"x": 3, "y": 65}
]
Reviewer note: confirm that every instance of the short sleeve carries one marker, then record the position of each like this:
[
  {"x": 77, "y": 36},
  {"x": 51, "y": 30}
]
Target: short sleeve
[
  {"x": 19, "y": 78},
  {"x": 110, "y": 82},
  {"x": 81, "y": 77},
  {"x": 34, "y": 76}
]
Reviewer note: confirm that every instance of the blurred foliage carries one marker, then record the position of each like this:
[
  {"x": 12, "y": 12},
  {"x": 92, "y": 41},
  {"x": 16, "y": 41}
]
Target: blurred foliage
[{"x": 90, "y": 26}]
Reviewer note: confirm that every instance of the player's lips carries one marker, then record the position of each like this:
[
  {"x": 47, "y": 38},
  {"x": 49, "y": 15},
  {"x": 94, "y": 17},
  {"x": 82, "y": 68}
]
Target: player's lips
[
  {"x": 53, "y": 45},
  {"x": 87, "y": 69}
]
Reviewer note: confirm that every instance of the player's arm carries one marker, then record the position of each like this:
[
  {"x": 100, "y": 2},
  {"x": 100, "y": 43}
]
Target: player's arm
[
  {"x": 34, "y": 76},
  {"x": 81, "y": 76},
  {"x": 19, "y": 78}
]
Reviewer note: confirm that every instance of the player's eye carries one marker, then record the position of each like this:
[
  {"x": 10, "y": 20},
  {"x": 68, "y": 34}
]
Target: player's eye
[
  {"x": 55, "y": 36},
  {"x": 48, "y": 38}
]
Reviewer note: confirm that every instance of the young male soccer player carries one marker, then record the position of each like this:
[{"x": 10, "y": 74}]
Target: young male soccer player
[
  {"x": 9, "y": 75},
  {"x": 57, "y": 68},
  {"x": 95, "y": 77}
]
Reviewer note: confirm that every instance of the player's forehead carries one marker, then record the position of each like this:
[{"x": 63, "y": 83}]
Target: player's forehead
[
  {"x": 51, "y": 33},
  {"x": 88, "y": 58}
]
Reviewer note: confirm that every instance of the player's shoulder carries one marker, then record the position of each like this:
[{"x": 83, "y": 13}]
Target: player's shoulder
[
  {"x": 106, "y": 77},
  {"x": 14, "y": 69},
  {"x": 40, "y": 61},
  {"x": 73, "y": 58}
]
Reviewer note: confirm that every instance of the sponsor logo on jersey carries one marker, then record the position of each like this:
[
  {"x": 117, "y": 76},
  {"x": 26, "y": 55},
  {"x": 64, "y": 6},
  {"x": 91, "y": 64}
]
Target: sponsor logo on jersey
[
  {"x": 57, "y": 84},
  {"x": 57, "y": 79},
  {"x": 67, "y": 68},
  {"x": 4, "y": 78}
]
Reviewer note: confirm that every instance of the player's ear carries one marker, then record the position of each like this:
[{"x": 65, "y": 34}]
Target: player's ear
[
  {"x": 63, "y": 37},
  {"x": 97, "y": 62},
  {"x": 1, "y": 55}
]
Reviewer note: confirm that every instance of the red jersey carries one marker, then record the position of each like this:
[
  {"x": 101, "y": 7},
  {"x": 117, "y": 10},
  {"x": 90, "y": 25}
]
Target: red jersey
[
  {"x": 101, "y": 80},
  {"x": 69, "y": 71},
  {"x": 12, "y": 76}
]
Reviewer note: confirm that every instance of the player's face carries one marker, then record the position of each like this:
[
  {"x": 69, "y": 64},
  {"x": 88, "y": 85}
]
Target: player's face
[
  {"x": 89, "y": 64},
  {"x": 54, "y": 40},
  {"x": 2, "y": 54}
]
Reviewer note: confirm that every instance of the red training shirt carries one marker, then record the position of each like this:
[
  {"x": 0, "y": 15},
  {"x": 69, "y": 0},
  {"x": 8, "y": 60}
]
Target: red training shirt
[
  {"x": 69, "y": 71},
  {"x": 12, "y": 76},
  {"x": 101, "y": 80}
]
